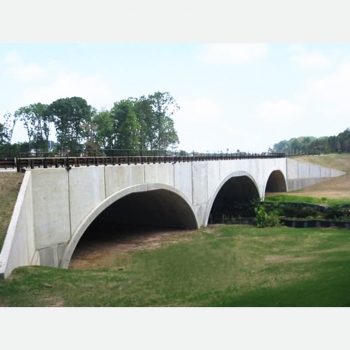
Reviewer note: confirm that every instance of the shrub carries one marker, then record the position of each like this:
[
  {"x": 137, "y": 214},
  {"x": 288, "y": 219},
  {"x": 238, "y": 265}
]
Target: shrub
[{"x": 264, "y": 218}]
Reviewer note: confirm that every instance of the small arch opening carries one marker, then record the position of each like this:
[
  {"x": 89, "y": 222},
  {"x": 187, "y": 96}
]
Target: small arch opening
[
  {"x": 130, "y": 222},
  {"x": 234, "y": 200},
  {"x": 276, "y": 183}
]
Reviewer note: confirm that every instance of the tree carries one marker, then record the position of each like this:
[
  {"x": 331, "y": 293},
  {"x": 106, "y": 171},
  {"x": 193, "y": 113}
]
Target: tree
[
  {"x": 154, "y": 112},
  {"x": 36, "y": 120},
  {"x": 102, "y": 129},
  {"x": 6, "y": 129},
  {"x": 126, "y": 126},
  {"x": 344, "y": 139},
  {"x": 69, "y": 116}
]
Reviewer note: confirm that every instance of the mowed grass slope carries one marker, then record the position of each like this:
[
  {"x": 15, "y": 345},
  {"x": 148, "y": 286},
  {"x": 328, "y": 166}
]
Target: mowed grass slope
[
  {"x": 10, "y": 183},
  {"x": 214, "y": 266}
]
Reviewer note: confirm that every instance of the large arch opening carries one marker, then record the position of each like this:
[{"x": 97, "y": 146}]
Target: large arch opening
[
  {"x": 276, "y": 183},
  {"x": 132, "y": 219},
  {"x": 234, "y": 199}
]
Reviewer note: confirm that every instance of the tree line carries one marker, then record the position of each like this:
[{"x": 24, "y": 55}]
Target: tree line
[
  {"x": 143, "y": 123},
  {"x": 314, "y": 145}
]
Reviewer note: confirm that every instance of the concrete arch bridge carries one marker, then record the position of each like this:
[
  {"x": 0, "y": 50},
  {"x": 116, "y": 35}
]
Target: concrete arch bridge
[{"x": 55, "y": 206}]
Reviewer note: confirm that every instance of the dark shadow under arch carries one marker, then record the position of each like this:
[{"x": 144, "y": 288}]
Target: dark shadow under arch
[
  {"x": 276, "y": 182},
  {"x": 159, "y": 208},
  {"x": 234, "y": 198},
  {"x": 137, "y": 213}
]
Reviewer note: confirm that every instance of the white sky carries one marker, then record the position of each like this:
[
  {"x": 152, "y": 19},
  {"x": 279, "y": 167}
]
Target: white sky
[{"x": 231, "y": 95}]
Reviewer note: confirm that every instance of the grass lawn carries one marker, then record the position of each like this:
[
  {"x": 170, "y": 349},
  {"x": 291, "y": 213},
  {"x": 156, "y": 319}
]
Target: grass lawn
[{"x": 228, "y": 265}]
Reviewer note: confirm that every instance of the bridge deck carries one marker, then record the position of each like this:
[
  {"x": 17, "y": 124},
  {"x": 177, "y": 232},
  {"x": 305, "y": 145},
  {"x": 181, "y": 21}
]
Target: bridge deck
[{"x": 49, "y": 162}]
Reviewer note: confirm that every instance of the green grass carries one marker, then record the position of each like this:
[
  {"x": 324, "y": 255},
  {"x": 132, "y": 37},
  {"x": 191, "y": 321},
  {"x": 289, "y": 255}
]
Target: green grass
[
  {"x": 220, "y": 266},
  {"x": 306, "y": 199},
  {"x": 9, "y": 187}
]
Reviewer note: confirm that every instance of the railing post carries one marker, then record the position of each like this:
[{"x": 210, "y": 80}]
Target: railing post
[{"x": 18, "y": 163}]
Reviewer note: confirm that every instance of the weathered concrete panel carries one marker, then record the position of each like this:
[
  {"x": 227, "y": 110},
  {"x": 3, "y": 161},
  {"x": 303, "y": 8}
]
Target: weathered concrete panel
[
  {"x": 199, "y": 182},
  {"x": 292, "y": 169},
  {"x": 225, "y": 168},
  {"x": 314, "y": 171},
  {"x": 86, "y": 192},
  {"x": 48, "y": 256},
  {"x": 303, "y": 170},
  {"x": 297, "y": 184},
  {"x": 301, "y": 174},
  {"x": 183, "y": 178},
  {"x": 119, "y": 177},
  {"x": 214, "y": 177},
  {"x": 336, "y": 173},
  {"x": 160, "y": 173},
  {"x": 51, "y": 206},
  {"x": 325, "y": 172}
]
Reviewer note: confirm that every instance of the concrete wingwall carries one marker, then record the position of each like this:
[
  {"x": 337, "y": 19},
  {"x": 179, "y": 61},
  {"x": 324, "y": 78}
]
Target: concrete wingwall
[
  {"x": 19, "y": 246},
  {"x": 302, "y": 174},
  {"x": 56, "y": 206}
]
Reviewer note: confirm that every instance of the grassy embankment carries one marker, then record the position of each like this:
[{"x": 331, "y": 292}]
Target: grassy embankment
[
  {"x": 10, "y": 183},
  {"x": 214, "y": 266}
]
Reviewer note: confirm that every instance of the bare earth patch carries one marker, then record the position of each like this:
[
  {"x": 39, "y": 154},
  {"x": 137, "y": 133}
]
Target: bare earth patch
[
  {"x": 52, "y": 301},
  {"x": 101, "y": 253},
  {"x": 285, "y": 258}
]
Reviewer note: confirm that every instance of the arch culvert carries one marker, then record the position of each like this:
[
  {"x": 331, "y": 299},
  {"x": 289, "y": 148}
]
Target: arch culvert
[
  {"x": 276, "y": 182},
  {"x": 234, "y": 199},
  {"x": 132, "y": 220}
]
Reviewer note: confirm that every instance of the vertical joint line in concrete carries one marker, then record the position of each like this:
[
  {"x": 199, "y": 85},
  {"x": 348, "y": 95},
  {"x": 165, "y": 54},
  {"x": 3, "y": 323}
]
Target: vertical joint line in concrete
[
  {"x": 144, "y": 173},
  {"x": 104, "y": 182},
  {"x": 192, "y": 183},
  {"x": 69, "y": 206},
  {"x": 207, "y": 174}
]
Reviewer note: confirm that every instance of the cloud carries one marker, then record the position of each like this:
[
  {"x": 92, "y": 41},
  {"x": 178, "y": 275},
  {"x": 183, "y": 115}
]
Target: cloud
[
  {"x": 331, "y": 92},
  {"x": 199, "y": 110},
  {"x": 233, "y": 53},
  {"x": 314, "y": 60},
  {"x": 280, "y": 111},
  {"x": 197, "y": 122},
  {"x": 21, "y": 71},
  {"x": 92, "y": 88}
]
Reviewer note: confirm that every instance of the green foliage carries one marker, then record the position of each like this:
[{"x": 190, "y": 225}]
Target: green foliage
[
  {"x": 266, "y": 218},
  {"x": 35, "y": 119},
  {"x": 154, "y": 113},
  {"x": 338, "y": 212},
  {"x": 304, "y": 199},
  {"x": 102, "y": 129},
  {"x": 313, "y": 145},
  {"x": 70, "y": 116},
  {"x": 6, "y": 129}
]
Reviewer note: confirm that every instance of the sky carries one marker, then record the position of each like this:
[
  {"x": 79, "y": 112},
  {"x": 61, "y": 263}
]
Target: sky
[{"x": 232, "y": 96}]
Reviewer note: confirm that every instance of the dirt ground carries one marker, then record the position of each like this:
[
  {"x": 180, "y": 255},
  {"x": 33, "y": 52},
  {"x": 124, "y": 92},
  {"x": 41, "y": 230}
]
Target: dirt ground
[{"x": 101, "y": 251}]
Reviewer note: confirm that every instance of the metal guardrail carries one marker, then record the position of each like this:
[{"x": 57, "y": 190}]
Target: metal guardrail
[
  {"x": 8, "y": 163},
  {"x": 22, "y": 163}
]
